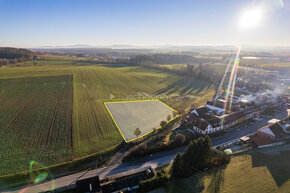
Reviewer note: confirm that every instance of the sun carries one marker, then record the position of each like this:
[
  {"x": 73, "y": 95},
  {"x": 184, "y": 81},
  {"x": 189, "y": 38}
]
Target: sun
[{"x": 251, "y": 18}]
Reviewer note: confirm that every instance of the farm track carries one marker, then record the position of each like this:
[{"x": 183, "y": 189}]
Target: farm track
[
  {"x": 52, "y": 122},
  {"x": 91, "y": 104},
  {"x": 72, "y": 117}
]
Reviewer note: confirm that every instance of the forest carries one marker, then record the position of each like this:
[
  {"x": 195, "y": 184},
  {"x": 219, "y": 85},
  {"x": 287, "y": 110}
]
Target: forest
[{"x": 14, "y": 55}]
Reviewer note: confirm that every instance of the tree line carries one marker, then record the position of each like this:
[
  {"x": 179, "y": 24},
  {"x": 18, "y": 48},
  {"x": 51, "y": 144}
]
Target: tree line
[
  {"x": 14, "y": 55},
  {"x": 169, "y": 59},
  {"x": 200, "y": 71}
]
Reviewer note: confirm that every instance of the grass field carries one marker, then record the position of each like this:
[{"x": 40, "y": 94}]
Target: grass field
[
  {"x": 253, "y": 173},
  {"x": 91, "y": 126},
  {"x": 145, "y": 115}
]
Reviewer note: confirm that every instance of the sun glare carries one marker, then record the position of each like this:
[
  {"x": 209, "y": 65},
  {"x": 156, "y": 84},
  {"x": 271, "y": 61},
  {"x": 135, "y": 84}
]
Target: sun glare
[{"x": 251, "y": 18}]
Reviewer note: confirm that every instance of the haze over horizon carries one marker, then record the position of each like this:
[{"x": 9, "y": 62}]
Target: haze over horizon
[{"x": 144, "y": 23}]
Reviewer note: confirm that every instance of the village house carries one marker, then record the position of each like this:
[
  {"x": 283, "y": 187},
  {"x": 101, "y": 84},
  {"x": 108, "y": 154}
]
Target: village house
[
  {"x": 212, "y": 117},
  {"x": 285, "y": 124},
  {"x": 278, "y": 130},
  {"x": 263, "y": 136},
  {"x": 219, "y": 105},
  {"x": 269, "y": 134},
  {"x": 251, "y": 112},
  {"x": 202, "y": 126},
  {"x": 208, "y": 115},
  {"x": 205, "y": 120},
  {"x": 239, "y": 117},
  {"x": 229, "y": 120},
  {"x": 202, "y": 121}
]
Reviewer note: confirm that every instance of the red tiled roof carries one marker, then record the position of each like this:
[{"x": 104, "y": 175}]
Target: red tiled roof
[{"x": 262, "y": 140}]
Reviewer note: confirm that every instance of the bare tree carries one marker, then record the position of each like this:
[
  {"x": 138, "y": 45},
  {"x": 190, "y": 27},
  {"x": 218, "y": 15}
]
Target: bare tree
[
  {"x": 180, "y": 111},
  {"x": 163, "y": 124},
  {"x": 137, "y": 132},
  {"x": 168, "y": 117}
]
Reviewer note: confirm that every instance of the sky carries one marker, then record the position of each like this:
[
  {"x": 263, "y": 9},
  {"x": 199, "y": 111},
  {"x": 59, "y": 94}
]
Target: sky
[{"x": 35, "y": 23}]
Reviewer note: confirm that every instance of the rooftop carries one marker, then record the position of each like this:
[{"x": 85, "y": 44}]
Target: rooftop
[
  {"x": 272, "y": 121},
  {"x": 267, "y": 131},
  {"x": 262, "y": 140}
]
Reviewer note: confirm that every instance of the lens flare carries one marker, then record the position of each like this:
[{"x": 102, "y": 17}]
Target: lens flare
[
  {"x": 38, "y": 173},
  {"x": 234, "y": 81},
  {"x": 231, "y": 83},
  {"x": 23, "y": 190},
  {"x": 224, "y": 77}
]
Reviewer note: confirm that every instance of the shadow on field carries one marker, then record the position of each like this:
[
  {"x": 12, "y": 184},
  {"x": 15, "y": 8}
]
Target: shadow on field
[
  {"x": 217, "y": 180},
  {"x": 92, "y": 63},
  {"x": 116, "y": 65},
  {"x": 141, "y": 69},
  {"x": 85, "y": 63},
  {"x": 192, "y": 184},
  {"x": 277, "y": 165},
  {"x": 183, "y": 86}
]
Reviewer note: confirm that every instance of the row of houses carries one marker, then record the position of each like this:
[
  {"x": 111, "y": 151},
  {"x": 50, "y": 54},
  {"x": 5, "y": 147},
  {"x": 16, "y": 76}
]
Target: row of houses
[
  {"x": 219, "y": 114},
  {"x": 205, "y": 120}
]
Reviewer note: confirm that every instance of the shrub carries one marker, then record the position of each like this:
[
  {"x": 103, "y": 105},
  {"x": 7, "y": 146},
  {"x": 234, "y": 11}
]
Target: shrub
[
  {"x": 136, "y": 151},
  {"x": 158, "y": 137},
  {"x": 163, "y": 124},
  {"x": 220, "y": 160},
  {"x": 180, "y": 111},
  {"x": 179, "y": 139},
  {"x": 160, "y": 179},
  {"x": 142, "y": 150}
]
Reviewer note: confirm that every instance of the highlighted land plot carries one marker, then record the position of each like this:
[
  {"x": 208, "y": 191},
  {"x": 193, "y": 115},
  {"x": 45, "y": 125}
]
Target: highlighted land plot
[{"x": 145, "y": 115}]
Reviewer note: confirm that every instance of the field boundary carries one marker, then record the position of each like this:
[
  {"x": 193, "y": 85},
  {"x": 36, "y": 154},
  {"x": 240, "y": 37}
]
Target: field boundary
[{"x": 105, "y": 103}]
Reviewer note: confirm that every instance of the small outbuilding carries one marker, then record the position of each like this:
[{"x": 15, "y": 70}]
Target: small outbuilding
[
  {"x": 273, "y": 121},
  {"x": 245, "y": 139}
]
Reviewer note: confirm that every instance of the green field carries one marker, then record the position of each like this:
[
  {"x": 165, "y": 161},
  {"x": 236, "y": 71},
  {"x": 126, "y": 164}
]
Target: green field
[
  {"x": 251, "y": 173},
  {"x": 90, "y": 127},
  {"x": 35, "y": 121},
  {"x": 145, "y": 115},
  {"x": 174, "y": 66}
]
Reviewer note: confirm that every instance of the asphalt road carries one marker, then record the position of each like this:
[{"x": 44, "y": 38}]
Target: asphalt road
[{"x": 155, "y": 160}]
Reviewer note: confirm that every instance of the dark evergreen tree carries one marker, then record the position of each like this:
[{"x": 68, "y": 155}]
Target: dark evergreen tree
[{"x": 178, "y": 170}]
